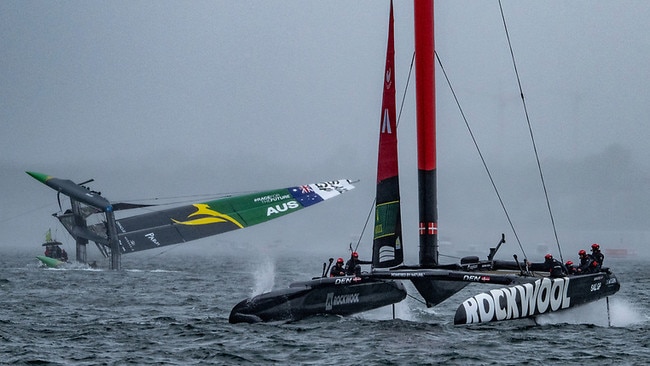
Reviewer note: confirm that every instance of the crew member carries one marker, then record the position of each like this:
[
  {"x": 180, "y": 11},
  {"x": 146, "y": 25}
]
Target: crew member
[
  {"x": 353, "y": 266},
  {"x": 597, "y": 257},
  {"x": 554, "y": 266},
  {"x": 585, "y": 262},
  {"x": 570, "y": 268},
  {"x": 338, "y": 270}
]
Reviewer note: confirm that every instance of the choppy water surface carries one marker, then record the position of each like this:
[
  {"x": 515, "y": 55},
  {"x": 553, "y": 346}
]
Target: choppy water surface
[{"x": 174, "y": 310}]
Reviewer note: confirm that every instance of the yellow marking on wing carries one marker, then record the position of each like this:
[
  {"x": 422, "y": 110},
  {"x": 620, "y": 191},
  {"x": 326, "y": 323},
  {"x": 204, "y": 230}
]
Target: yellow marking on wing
[{"x": 214, "y": 217}]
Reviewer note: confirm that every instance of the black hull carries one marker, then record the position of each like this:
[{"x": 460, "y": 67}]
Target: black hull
[
  {"x": 436, "y": 291},
  {"x": 339, "y": 296},
  {"x": 536, "y": 296}
]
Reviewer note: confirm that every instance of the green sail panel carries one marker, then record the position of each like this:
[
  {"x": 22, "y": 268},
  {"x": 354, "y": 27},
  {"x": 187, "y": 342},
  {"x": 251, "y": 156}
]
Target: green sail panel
[
  {"x": 386, "y": 215},
  {"x": 200, "y": 220}
]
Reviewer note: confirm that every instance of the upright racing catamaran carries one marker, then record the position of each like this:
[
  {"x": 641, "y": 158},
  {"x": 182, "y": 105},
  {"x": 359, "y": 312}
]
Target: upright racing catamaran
[{"x": 528, "y": 293}]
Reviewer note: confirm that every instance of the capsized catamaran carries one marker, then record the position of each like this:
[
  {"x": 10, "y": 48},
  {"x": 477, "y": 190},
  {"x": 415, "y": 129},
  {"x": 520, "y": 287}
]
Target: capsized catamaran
[
  {"x": 527, "y": 294},
  {"x": 115, "y": 236}
]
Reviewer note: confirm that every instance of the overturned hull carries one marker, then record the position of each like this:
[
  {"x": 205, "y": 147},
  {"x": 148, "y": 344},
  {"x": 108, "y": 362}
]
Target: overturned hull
[
  {"x": 341, "y": 296},
  {"x": 535, "y": 297}
]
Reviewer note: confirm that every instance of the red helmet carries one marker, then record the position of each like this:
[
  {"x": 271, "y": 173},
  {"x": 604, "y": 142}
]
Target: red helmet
[
  {"x": 569, "y": 263},
  {"x": 355, "y": 255},
  {"x": 595, "y": 246},
  {"x": 548, "y": 256},
  {"x": 340, "y": 260},
  {"x": 582, "y": 252}
]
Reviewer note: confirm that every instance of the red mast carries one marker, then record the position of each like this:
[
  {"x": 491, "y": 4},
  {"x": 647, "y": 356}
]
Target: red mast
[{"x": 426, "y": 130}]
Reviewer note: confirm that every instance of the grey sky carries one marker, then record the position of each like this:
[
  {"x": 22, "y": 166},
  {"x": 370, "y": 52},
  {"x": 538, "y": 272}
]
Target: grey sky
[{"x": 168, "y": 98}]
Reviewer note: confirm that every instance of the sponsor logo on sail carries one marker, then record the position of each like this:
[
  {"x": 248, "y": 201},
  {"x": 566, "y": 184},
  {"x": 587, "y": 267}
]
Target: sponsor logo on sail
[
  {"x": 274, "y": 210},
  {"x": 332, "y": 185},
  {"x": 272, "y": 198},
  {"x": 152, "y": 237},
  {"x": 205, "y": 215},
  {"x": 385, "y": 123},
  {"x": 519, "y": 301},
  {"x": 346, "y": 299},
  {"x": 130, "y": 244}
]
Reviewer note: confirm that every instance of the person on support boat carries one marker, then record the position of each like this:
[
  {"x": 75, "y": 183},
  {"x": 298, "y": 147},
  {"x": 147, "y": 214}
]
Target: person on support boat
[
  {"x": 64, "y": 255},
  {"x": 585, "y": 262},
  {"x": 338, "y": 270},
  {"x": 571, "y": 269},
  {"x": 597, "y": 257},
  {"x": 353, "y": 266}
]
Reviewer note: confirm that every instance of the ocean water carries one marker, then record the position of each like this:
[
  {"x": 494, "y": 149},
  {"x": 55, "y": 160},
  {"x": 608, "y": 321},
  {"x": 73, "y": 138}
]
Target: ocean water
[{"x": 173, "y": 309}]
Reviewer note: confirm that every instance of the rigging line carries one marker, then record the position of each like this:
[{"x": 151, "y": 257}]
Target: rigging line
[
  {"x": 408, "y": 81},
  {"x": 19, "y": 215},
  {"x": 487, "y": 170},
  {"x": 185, "y": 198},
  {"x": 530, "y": 131},
  {"x": 366, "y": 224}
]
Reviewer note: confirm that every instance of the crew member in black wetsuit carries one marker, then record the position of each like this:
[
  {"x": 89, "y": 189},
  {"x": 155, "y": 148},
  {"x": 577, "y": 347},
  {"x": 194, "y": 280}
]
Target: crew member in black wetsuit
[
  {"x": 554, "y": 266},
  {"x": 585, "y": 262},
  {"x": 353, "y": 266},
  {"x": 597, "y": 257},
  {"x": 338, "y": 270},
  {"x": 570, "y": 268}
]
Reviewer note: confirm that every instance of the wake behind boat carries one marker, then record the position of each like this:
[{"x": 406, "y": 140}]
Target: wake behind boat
[{"x": 530, "y": 290}]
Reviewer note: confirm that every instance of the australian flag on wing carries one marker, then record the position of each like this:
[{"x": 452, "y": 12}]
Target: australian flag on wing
[{"x": 305, "y": 195}]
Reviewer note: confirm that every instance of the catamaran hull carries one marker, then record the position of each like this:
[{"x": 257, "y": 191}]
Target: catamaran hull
[
  {"x": 536, "y": 297},
  {"x": 339, "y": 296},
  {"x": 50, "y": 262},
  {"x": 436, "y": 291}
]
